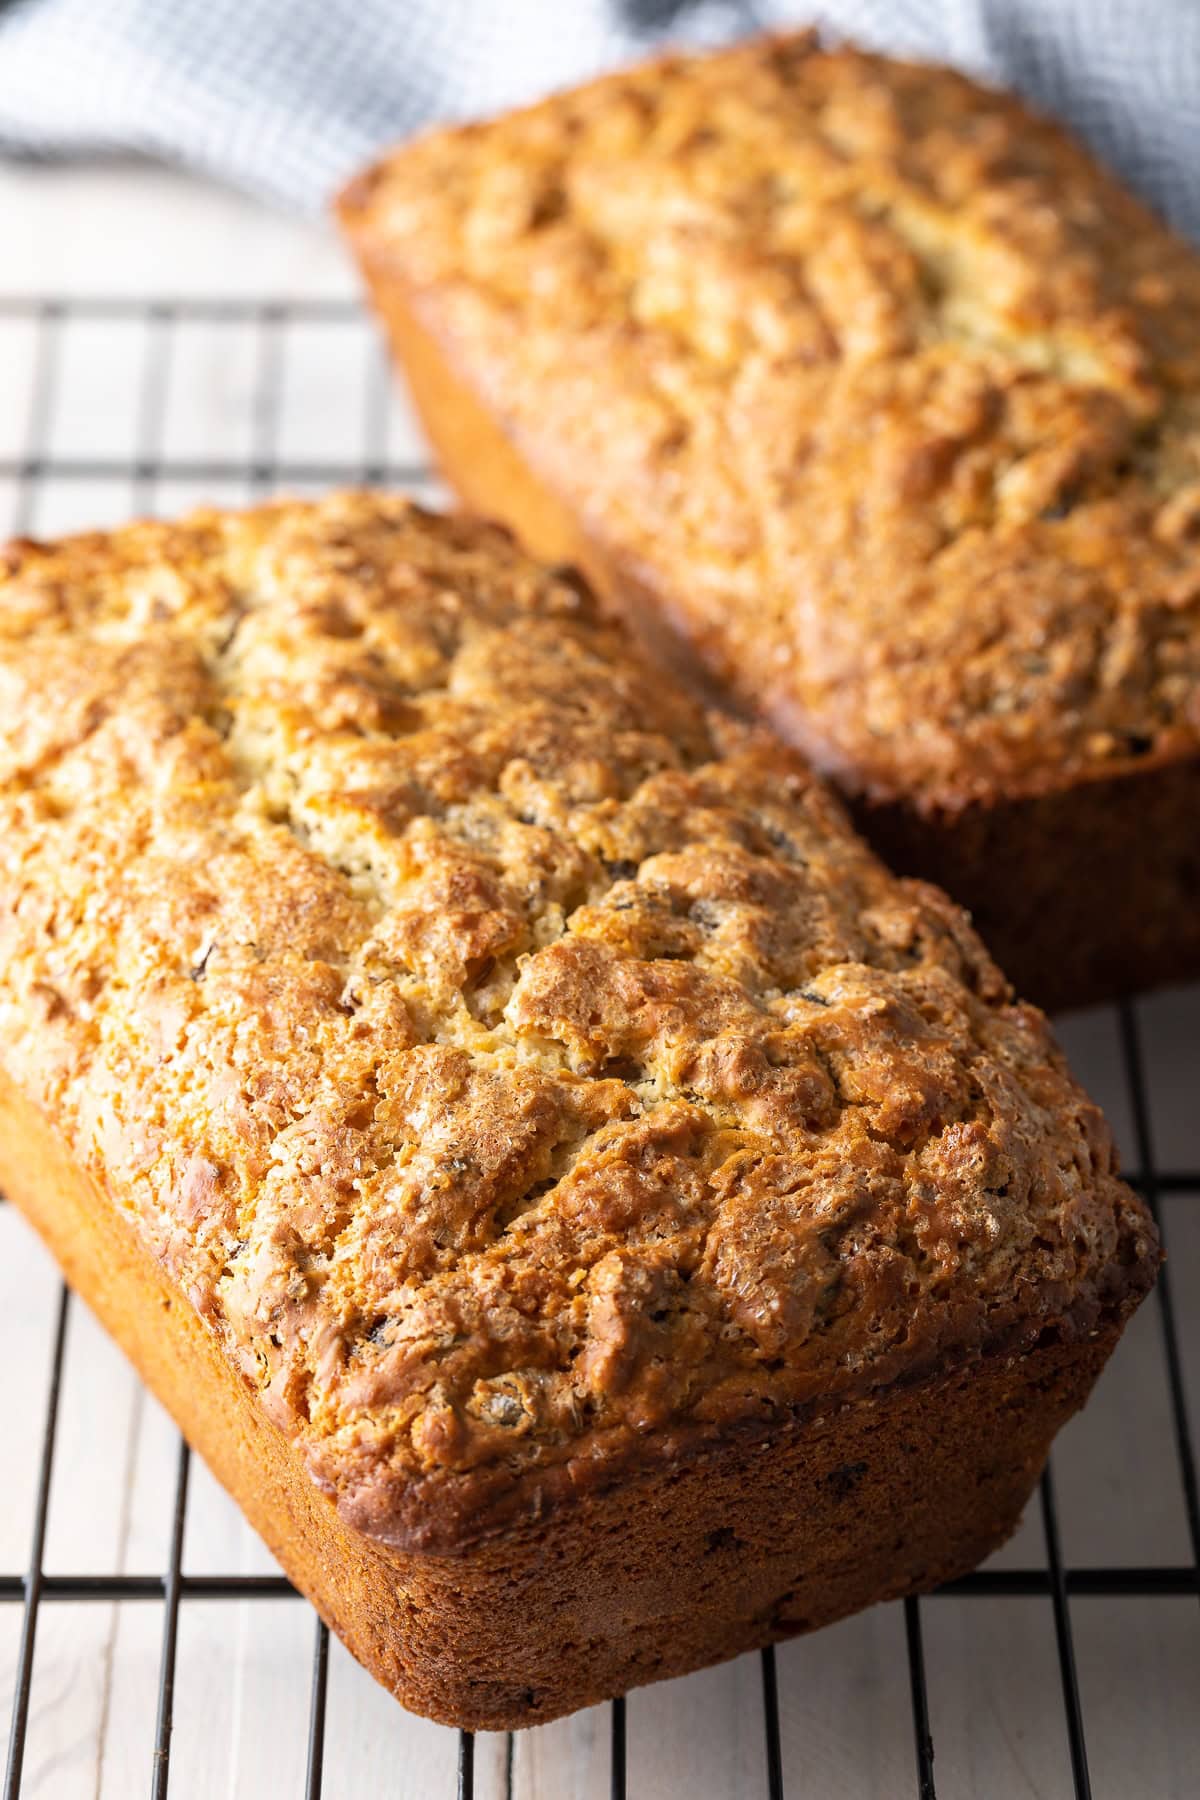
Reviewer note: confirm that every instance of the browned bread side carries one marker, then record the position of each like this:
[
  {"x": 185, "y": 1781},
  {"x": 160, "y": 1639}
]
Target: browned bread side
[
  {"x": 529, "y": 1087},
  {"x": 885, "y": 400},
  {"x": 684, "y": 1562}
]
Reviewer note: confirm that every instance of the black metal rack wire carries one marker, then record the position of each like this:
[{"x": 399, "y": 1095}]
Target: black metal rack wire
[{"x": 264, "y": 469}]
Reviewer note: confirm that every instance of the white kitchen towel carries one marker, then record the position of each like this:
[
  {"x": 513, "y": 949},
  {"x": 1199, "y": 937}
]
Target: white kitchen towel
[{"x": 287, "y": 97}]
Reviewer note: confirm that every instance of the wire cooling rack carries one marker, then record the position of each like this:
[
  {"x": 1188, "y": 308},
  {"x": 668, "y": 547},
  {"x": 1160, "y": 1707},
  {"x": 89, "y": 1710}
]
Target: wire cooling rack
[{"x": 1070, "y": 1664}]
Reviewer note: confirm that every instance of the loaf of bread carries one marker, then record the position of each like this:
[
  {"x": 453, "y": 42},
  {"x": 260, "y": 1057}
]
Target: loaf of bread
[
  {"x": 591, "y": 1215},
  {"x": 874, "y": 398}
]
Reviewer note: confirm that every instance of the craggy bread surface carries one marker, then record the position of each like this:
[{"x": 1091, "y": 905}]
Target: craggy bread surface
[
  {"x": 888, "y": 390},
  {"x": 513, "y": 1064}
]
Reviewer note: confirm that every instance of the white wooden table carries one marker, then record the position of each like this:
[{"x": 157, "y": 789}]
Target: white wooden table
[{"x": 244, "y": 1667}]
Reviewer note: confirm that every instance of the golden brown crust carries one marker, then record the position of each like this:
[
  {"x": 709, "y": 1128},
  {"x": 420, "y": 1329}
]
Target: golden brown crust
[
  {"x": 514, "y": 1065},
  {"x": 678, "y": 1564},
  {"x": 878, "y": 378},
  {"x": 1082, "y": 892}
]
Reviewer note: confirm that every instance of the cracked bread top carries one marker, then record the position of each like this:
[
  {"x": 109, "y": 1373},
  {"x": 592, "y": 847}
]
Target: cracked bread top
[
  {"x": 513, "y": 1064},
  {"x": 876, "y": 379}
]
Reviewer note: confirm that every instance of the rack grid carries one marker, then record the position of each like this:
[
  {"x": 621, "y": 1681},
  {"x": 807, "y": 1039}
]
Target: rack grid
[{"x": 141, "y": 474}]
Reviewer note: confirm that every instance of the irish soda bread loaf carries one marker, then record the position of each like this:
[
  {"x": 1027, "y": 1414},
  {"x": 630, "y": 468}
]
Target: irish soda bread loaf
[
  {"x": 593, "y": 1217},
  {"x": 882, "y": 401}
]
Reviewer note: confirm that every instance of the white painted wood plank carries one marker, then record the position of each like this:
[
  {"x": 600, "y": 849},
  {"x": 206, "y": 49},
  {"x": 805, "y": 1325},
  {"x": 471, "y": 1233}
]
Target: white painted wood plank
[
  {"x": 1093, "y": 1049},
  {"x": 79, "y": 506},
  {"x": 1119, "y": 1495},
  {"x": 211, "y": 390},
  {"x": 1139, "y": 1675},
  {"x": 844, "y": 1711},
  {"x": 341, "y": 399},
  {"x": 241, "y": 1713},
  {"x": 703, "y": 1732},
  {"x": 10, "y": 1636},
  {"x": 114, "y": 1465},
  {"x": 491, "y": 1764},
  {"x": 99, "y": 376},
  {"x": 95, "y": 1681},
  {"x": 992, "y": 1668},
  {"x": 28, "y": 1297},
  {"x": 135, "y": 230},
  {"x": 124, "y": 1748},
  {"x": 1171, "y": 1040},
  {"x": 175, "y": 498},
  {"x": 66, "y": 1702},
  {"x": 17, "y": 337},
  {"x": 1181, "y": 1228},
  {"x": 568, "y": 1760},
  {"x": 373, "y": 1747},
  {"x": 326, "y": 369}
]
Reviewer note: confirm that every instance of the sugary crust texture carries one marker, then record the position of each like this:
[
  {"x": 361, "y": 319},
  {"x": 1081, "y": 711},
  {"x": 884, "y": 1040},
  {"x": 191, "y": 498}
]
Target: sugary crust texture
[
  {"x": 877, "y": 377},
  {"x": 517, "y": 1067}
]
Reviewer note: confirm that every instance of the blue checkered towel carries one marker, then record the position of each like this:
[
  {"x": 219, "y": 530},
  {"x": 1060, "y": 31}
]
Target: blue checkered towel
[{"x": 287, "y": 97}]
